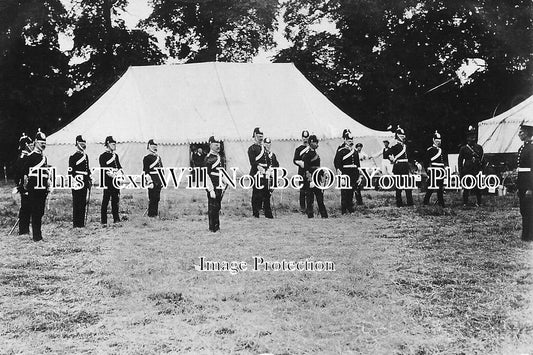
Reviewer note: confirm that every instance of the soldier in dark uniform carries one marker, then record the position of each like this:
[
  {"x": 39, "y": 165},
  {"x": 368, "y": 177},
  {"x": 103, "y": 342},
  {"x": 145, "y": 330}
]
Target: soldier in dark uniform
[
  {"x": 35, "y": 169},
  {"x": 525, "y": 180},
  {"x": 398, "y": 157},
  {"x": 470, "y": 162},
  {"x": 258, "y": 165},
  {"x": 346, "y": 162},
  {"x": 311, "y": 163},
  {"x": 271, "y": 162},
  {"x": 78, "y": 167},
  {"x": 297, "y": 160},
  {"x": 25, "y": 147},
  {"x": 109, "y": 160},
  {"x": 213, "y": 162},
  {"x": 151, "y": 162},
  {"x": 435, "y": 158}
]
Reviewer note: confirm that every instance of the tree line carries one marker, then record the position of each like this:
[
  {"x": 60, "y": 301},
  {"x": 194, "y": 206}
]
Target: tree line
[{"x": 377, "y": 64}]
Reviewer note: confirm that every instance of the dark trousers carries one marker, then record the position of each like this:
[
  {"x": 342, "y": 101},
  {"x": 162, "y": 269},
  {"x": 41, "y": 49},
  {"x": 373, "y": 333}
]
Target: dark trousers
[
  {"x": 79, "y": 201},
  {"x": 466, "y": 194},
  {"x": 37, "y": 201},
  {"x": 358, "y": 196},
  {"x": 526, "y": 210},
  {"x": 261, "y": 199},
  {"x": 213, "y": 210},
  {"x": 440, "y": 194},
  {"x": 24, "y": 213},
  {"x": 408, "y": 194},
  {"x": 114, "y": 195},
  {"x": 257, "y": 201},
  {"x": 154, "y": 195},
  {"x": 266, "y": 194},
  {"x": 311, "y": 193},
  {"x": 303, "y": 195},
  {"x": 347, "y": 193}
]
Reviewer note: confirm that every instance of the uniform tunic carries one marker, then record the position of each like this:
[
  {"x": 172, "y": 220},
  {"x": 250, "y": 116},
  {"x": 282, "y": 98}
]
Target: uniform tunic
[
  {"x": 37, "y": 190},
  {"x": 110, "y": 161},
  {"x": 79, "y": 167},
  {"x": 258, "y": 164},
  {"x": 434, "y": 158},
  {"x": 151, "y": 163},
  {"x": 298, "y": 155},
  {"x": 347, "y": 161},
  {"x": 311, "y": 161},
  {"x": 470, "y": 162},
  {"x": 213, "y": 162},
  {"x": 400, "y": 167}
]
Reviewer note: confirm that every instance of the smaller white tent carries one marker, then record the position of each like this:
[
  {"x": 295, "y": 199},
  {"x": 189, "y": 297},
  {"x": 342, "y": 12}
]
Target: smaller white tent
[{"x": 500, "y": 134}]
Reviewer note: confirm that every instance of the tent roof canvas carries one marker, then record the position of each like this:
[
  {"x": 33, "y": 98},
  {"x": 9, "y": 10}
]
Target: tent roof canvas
[
  {"x": 500, "y": 134},
  {"x": 180, "y": 104}
]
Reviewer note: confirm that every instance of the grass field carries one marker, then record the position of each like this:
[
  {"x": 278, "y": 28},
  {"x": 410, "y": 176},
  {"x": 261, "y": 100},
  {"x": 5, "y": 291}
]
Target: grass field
[{"x": 419, "y": 280}]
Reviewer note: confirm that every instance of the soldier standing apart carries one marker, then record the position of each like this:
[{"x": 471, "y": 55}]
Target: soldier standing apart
[
  {"x": 25, "y": 147},
  {"x": 110, "y": 162},
  {"x": 525, "y": 180},
  {"x": 470, "y": 162},
  {"x": 398, "y": 157},
  {"x": 272, "y": 162},
  {"x": 151, "y": 163},
  {"x": 258, "y": 165},
  {"x": 435, "y": 159},
  {"x": 346, "y": 163},
  {"x": 297, "y": 160},
  {"x": 213, "y": 162},
  {"x": 386, "y": 166},
  {"x": 78, "y": 168},
  {"x": 36, "y": 181},
  {"x": 311, "y": 164}
]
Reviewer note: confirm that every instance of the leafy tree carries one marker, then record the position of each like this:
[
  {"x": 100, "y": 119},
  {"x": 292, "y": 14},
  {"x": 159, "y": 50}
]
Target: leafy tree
[
  {"x": 33, "y": 71},
  {"x": 108, "y": 47},
  {"x": 211, "y": 30},
  {"x": 387, "y": 54}
]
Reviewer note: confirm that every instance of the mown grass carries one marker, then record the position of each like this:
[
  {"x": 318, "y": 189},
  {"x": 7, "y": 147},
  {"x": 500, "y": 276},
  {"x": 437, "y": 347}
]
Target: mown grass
[{"x": 420, "y": 280}]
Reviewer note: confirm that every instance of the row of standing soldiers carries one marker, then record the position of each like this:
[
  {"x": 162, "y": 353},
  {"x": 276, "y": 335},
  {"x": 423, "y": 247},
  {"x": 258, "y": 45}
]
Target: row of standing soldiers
[{"x": 262, "y": 160}]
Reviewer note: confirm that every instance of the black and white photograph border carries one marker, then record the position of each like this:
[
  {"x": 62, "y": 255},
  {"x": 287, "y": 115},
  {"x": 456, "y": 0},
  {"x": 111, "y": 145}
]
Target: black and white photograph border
[{"x": 183, "y": 115}]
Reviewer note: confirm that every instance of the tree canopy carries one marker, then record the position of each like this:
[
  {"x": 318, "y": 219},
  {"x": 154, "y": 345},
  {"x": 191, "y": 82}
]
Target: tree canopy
[
  {"x": 215, "y": 30},
  {"x": 386, "y": 55}
]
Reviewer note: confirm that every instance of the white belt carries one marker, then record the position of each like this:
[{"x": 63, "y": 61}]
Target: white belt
[
  {"x": 524, "y": 170},
  {"x": 402, "y": 161},
  {"x": 350, "y": 166}
]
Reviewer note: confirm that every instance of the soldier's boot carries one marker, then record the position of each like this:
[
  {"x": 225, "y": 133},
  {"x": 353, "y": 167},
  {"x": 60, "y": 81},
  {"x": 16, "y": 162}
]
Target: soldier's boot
[
  {"x": 302, "y": 201},
  {"x": 409, "y": 196},
  {"x": 427, "y": 196},
  {"x": 399, "y": 202}
]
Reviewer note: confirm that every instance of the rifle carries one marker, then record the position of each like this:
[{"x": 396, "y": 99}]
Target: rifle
[
  {"x": 87, "y": 203},
  {"x": 14, "y": 226}
]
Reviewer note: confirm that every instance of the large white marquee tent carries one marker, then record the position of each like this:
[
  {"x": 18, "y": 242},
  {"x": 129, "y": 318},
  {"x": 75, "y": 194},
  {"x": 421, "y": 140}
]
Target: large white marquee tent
[{"x": 180, "y": 105}]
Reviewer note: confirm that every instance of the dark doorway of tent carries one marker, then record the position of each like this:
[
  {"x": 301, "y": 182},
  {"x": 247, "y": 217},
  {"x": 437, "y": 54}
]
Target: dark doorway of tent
[{"x": 198, "y": 152}]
